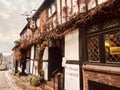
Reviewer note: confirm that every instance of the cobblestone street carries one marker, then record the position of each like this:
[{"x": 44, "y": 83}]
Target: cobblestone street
[{"x": 6, "y": 83}]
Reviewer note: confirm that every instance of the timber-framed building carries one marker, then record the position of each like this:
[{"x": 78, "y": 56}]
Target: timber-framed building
[{"x": 80, "y": 39}]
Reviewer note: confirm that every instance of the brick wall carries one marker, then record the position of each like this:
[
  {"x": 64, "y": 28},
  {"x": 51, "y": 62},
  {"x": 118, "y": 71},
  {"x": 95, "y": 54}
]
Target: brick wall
[{"x": 101, "y": 74}]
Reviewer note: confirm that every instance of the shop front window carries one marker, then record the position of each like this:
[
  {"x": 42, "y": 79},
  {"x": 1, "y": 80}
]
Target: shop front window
[
  {"x": 93, "y": 49},
  {"x": 103, "y": 42},
  {"x": 112, "y": 47}
]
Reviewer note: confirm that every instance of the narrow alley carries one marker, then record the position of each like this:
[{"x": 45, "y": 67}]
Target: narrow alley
[{"x": 6, "y": 83}]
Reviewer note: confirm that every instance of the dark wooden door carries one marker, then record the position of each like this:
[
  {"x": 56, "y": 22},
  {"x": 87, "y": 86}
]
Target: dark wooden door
[{"x": 55, "y": 60}]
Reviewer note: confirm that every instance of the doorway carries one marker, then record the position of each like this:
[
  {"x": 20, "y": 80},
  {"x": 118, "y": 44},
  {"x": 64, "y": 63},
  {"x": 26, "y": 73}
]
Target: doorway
[{"x": 56, "y": 52}]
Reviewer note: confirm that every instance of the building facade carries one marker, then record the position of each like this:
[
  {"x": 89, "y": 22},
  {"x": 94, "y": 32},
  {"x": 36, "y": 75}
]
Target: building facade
[{"x": 80, "y": 39}]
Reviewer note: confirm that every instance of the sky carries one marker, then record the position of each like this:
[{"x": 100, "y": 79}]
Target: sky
[{"x": 12, "y": 22}]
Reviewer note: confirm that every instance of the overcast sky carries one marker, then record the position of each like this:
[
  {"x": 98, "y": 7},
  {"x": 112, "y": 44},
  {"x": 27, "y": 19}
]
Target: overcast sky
[{"x": 12, "y": 22}]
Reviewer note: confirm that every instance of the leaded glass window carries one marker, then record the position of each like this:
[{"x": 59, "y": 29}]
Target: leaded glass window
[
  {"x": 110, "y": 23},
  {"x": 103, "y": 41},
  {"x": 112, "y": 47},
  {"x": 93, "y": 49},
  {"x": 93, "y": 28}
]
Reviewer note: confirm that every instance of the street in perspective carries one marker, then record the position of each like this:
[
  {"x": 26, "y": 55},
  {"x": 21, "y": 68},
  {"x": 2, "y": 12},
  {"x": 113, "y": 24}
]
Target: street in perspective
[
  {"x": 60, "y": 45},
  {"x": 6, "y": 82}
]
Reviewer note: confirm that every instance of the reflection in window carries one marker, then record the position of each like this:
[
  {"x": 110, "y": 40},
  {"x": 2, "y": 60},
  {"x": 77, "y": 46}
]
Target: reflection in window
[{"x": 112, "y": 47}]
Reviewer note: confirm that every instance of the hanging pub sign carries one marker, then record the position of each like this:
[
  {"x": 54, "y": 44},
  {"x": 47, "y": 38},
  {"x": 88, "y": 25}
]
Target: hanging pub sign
[{"x": 32, "y": 24}]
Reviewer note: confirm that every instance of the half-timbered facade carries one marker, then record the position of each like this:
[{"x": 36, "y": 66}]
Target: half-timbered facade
[{"x": 78, "y": 38}]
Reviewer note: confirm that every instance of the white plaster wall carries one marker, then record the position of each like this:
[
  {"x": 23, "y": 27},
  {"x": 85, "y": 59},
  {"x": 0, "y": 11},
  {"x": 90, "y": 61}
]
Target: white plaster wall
[
  {"x": 72, "y": 45},
  {"x": 45, "y": 64},
  {"x": 45, "y": 68},
  {"x": 45, "y": 56},
  {"x": 75, "y": 7},
  {"x": 59, "y": 11},
  {"x": 101, "y": 1},
  {"x": 27, "y": 67},
  {"x": 72, "y": 80},
  {"x": 19, "y": 68},
  {"x": 63, "y": 13},
  {"x": 35, "y": 70},
  {"x": 53, "y": 8},
  {"x": 82, "y": 7},
  {"x": 31, "y": 66},
  {"x": 32, "y": 52},
  {"x": 31, "y": 57},
  {"x": 69, "y": 8},
  {"x": 91, "y": 4}
]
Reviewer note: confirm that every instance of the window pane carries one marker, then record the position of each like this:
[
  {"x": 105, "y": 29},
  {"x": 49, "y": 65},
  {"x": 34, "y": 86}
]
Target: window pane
[
  {"x": 112, "y": 47},
  {"x": 93, "y": 49},
  {"x": 110, "y": 23},
  {"x": 93, "y": 28}
]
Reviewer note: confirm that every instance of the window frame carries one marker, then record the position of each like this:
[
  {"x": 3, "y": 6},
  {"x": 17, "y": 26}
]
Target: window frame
[{"x": 100, "y": 33}]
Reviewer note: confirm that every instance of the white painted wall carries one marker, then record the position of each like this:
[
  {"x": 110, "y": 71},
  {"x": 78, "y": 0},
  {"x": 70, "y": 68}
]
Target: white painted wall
[
  {"x": 72, "y": 77},
  {"x": 72, "y": 53},
  {"x": 45, "y": 68},
  {"x": 32, "y": 57},
  {"x": 69, "y": 9},
  {"x": 75, "y": 7},
  {"x": 91, "y": 4},
  {"x": 45, "y": 64},
  {"x": 45, "y": 56},
  {"x": 32, "y": 52},
  {"x": 101, "y": 1},
  {"x": 27, "y": 66},
  {"x": 31, "y": 66},
  {"x": 82, "y": 7},
  {"x": 59, "y": 11},
  {"x": 72, "y": 45},
  {"x": 63, "y": 13},
  {"x": 35, "y": 70}
]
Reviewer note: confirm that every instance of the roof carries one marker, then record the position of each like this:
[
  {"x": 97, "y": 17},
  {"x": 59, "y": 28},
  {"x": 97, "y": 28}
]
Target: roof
[{"x": 44, "y": 5}]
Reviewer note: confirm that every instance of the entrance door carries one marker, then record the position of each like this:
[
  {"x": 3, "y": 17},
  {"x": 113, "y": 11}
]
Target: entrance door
[{"x": 55, "y": 58}]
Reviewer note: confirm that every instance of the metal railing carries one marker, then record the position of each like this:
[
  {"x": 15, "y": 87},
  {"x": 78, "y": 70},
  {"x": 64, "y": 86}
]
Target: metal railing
[{"x": 59, "y": 77}]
